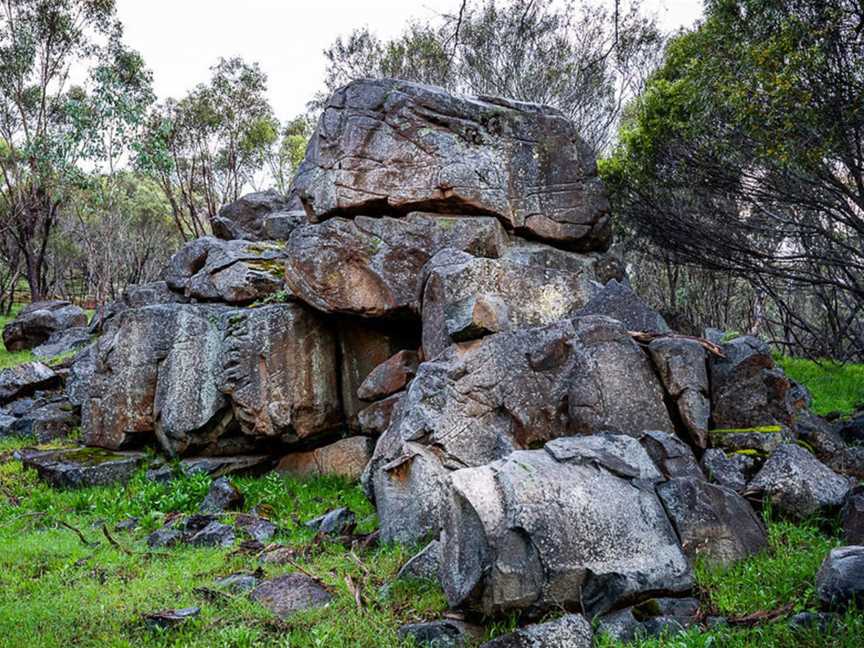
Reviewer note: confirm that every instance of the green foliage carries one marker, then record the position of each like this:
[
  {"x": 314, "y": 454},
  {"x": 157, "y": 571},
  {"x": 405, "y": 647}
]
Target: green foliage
[{"x": 835, "y": 388}]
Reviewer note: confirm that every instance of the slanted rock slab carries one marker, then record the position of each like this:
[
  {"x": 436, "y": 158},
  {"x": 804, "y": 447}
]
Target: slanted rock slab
[
  {"x": 840, "y": 581},
  {"x": 570, "y": 631},
  {"x": 83, "y": 467},
  {"x": 291, "y": 593}
]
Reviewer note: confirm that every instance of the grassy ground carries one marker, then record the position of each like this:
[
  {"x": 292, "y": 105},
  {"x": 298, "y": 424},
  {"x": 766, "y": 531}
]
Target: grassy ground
[
  {"x": 835, "y": 388},
  {"x": 55, "y": 590}
]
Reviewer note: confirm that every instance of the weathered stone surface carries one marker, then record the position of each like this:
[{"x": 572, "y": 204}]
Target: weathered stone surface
[
  {"x": 375, "y": 419},
  {"x": 255, "y": 527},
  {"x": 237, "y": 583},
  {"x": 83, "y": 467},
  {"x": 467, "y": 297},
  {"x": 618, "y": 301},
  {"x": 340, "y": 521},
  {"x": 747, "y": 390},
  {"x": 213, "y": 378},
  {"x": 390, "y": 376},
  {"x": 290, "y": 593},
  {"x": 797, "y": 484},
  {"x": 150, "y": 294},
  {"x": 570, "y": 631},
  {"x": 221, "y": 466},
  {"x": 36, "y": 322},
  {"x": 164, "y": 537},
  {"x": 447, "y": 633},
  {"x": 530, "y": 532},
  {"x": 345, "y": 458},
  {"x": 819, "y": 435},
  {"x": 278, "y": 227},
  {"x": 244, "y": 218},
  {"x": 840, "y": 581},
  {"x": 372, "y": 266},
  {"x": 732, "y": 471},
  {"x": 214, "y": 534},
  {"x": 713, "y": 522},
  {"x": 47, "y": 421},
  {"x": 24, "y": 379},
  {"x": 477, "y": 403},
  {"x": 852, "y": 429},
  {"x": 363, "y": 346},
  {"x": 682, "y": 365},
  {"x": 221, "y": 496},
  {"x": 234, "y": 272},
  {"x": 423, "y": 565},
  {"x": 395, "y": 146},
  {"x": 63, "y": 342},
  {"x": 671, "y": 455},
  {"x": 852, "y": 516},
  {"x": 758, "y": 441},
  {"x": 652, "y": 618},
  {"x": 170, "y": 618}
]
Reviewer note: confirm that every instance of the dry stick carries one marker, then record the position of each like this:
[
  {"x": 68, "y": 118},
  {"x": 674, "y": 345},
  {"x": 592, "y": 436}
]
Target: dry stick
[
  {"x": 646, "y": 337},
  {"x": 80, "y": 535},
  {"x": 355, "y": 591},
  {"x": 113, "y": 542}
]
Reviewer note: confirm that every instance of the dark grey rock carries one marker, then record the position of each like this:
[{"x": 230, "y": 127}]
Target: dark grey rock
[
  {"x": 852, "y": 429},
  {"x": 278, "y": 226},
  {"x": 447, "y": 633},
  {"x": 423, "y": 565},
  {"x": 245, "y": 218},
  {"x": 513, "y": 390},
  {"x": 129, "y": 524},
  {"x": 214, "y": 534},
  {"x": 237, "y": 583},
  {"x": 809, "y": 620},
  {"x": 150, "y": 294},
  {"x": 56, "y": 419},
  {"x": 682, "y": 365},
  {"x": 760, "y": 441},
  {"x": 747, "y": 389},
  {"x": 36, "y": 322},
  {"x": 524, "y": 163},
  {"x": 569, "y": 631},
  {"x": 713, "y": 522},
  {"x": 671, "y": 455},
  {"x": 339, "y": 521},
  {"x": 164, "y": 537},
  {"x": 24, "y": 379},
  {"x": 819, "y": 435},
  {"x": 255, "y": 527},
  {"x": 797, "y": 484},
  {"x": 171, "y": 618},
  {"x": 619, "y": 302},
  {"x": 230, "y": 465},
  {"x": 652, "y": 618},
  {"x": 83, "y": 467},
  {"x": 731, "y": 470},
  {"x": 63, "y": 342},
  {"x": 840, "y": 581},
  {"x": 290, "y": 593},
  {"x": 80, "y": 375},
  {"x": 222, "y": 496},
  {"x": 852, "y": 516},
  {"x": 529, "y": 533}
]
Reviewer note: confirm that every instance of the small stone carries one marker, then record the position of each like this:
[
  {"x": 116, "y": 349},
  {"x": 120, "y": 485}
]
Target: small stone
[
  {"x": 337, "y": 522},
  {"x": 291, "y": 593},
  {"x": 570, "y": 631},
  {"x": 222, "y": 496},
  {"x": 255, "y": 527},
  {"x": 214, "y": 534},
  {"x": 237, "y": 583},
  {"x": 840, "y": 581},
  {"x": 852, "y": 516},
  {"x": 170, "y": 618},
  {"x": 423, "y": 565},
  {"x": 447, "y": 633},
  {"x": 732, "y": 471},
  {"x": 129, "y": 524},
  {"x": 164, "y": 537},
  {"x": 389, "y": 377}
]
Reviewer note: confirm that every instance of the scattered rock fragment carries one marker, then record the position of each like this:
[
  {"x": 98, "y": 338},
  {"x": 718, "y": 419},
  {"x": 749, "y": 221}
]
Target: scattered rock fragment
[
  {"x": 447, "y": 633},
  {"x": 291, "y": 593},
  {"x": 337, "y": 522},
  {"x": 570, "y": 631},
  {"x": 222, "y": 496},
  {"x": 840, "y": 581}
]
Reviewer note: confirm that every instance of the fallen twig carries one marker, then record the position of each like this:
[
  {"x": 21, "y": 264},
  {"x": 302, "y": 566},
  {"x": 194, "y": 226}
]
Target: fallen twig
[
  {"x": 113, "y": 542},
  {"x": 80, "y": 535},
  {"x": 646, "y": 337},
  {"x": 355, "y": 591}
]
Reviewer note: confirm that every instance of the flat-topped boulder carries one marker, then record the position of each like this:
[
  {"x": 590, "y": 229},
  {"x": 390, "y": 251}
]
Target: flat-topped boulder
[
  {"x": 83, "y": 467},
  {"x": 389, "y": 146},
  {"x": 38, "y": 321},
  {"x": 24, "y": 379}
]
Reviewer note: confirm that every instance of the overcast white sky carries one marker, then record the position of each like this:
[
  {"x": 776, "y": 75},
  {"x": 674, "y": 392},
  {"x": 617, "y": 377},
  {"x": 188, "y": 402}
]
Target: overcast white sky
[{"x": 181, "y": 39}]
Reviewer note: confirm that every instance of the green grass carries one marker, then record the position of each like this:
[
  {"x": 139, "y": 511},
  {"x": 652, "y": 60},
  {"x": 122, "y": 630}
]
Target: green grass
[{"x": 835, "y": 388}]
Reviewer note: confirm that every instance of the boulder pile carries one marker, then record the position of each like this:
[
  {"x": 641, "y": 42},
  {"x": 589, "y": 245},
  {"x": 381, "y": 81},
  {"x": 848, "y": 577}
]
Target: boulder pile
[{"x": 436, "y": 306}]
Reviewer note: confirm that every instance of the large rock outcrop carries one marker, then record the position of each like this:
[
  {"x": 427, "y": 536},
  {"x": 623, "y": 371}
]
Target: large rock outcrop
[
  {"x": 387, "y": 146},
  {"x": 213, "y": 378},
  {"x": 480, "y": 401}
]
